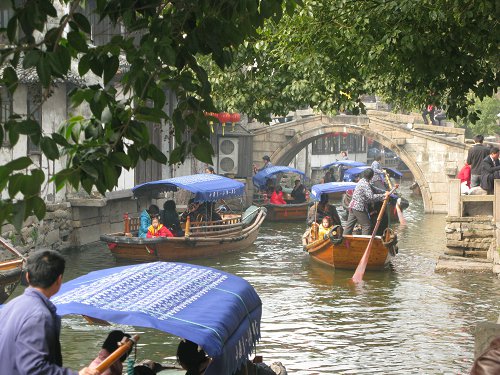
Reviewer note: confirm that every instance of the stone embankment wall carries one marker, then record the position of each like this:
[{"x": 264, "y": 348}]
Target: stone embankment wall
[
  {"x": 54, "y": 231},
  {"x": 470, "y": 236},
  {"x": 73, "y": 223}
]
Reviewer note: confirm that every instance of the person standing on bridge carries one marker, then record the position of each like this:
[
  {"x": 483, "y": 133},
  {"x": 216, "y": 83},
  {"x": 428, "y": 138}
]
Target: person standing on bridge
[{"x": 475, "y": 158}]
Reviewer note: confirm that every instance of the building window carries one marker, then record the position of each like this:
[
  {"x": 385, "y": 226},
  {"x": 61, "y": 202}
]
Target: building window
[
  {"x": 332, "y": 143},
  {"x": 5, "y": 110},
  {"x": 34, "y": 110}
]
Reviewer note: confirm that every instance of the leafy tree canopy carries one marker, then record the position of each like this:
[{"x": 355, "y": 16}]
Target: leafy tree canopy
[
  {"x": 160, "y": 48},
  {"x": 329, "y": 52}
]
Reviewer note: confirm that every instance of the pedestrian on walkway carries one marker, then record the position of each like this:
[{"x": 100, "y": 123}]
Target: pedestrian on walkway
[{"x": 475, "y": 157}]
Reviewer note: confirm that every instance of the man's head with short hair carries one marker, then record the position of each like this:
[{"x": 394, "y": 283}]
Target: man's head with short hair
[
  {"x": 266, "y": 158},
  {"x": 377, "y": 157},
  {"x": 44, "y": 267},
  {"x": 368, "y": 174},
  {"x": 153, "y": 210},
  {"x": 494, "y": 151},
  {"x": 478, "y": 138}
]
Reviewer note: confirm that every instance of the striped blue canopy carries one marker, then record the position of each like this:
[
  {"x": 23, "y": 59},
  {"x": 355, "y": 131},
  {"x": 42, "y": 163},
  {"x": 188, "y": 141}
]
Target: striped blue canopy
[
  {"x": 205, "y": 186},
  {"x": 330, "y": 187},
  {"x": 345, "y": 163},
  {"x": 261, "y": 177},
  {"x": 218, "y": 311}
]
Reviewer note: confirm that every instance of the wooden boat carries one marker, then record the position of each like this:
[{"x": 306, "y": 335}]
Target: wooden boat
[
  {"x": 278, "y": 212},
  {"x": 345, "y": 252},
  {"x": 348, "y": 253},
  {"x": 219, "y": 311},
  {"x": 10, "y": 271},
  {"x": 287, "y": 212},
  {"x": 203, "y": 239}
]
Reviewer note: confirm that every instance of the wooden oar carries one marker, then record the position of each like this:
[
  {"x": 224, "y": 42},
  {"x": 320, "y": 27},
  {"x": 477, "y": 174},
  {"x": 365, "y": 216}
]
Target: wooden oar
[
  {"x": 360, "y": 270},
  {"x": 401, "y": 218},
  {"x": 117, "y": 354}
]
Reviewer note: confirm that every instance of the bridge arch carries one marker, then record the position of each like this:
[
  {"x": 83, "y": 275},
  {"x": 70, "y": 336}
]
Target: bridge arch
[
  {"x": 286, "y": 153},
  {"x": 433, "y": 154}
]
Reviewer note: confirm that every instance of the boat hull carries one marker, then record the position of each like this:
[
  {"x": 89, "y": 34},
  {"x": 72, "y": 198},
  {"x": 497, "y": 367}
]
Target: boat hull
[
  {"x": 287, "y": 212},
  {"x": 197, "y": 245},
  {"x": 349, "y": 252},
  {"x": 10, "y": 276}
]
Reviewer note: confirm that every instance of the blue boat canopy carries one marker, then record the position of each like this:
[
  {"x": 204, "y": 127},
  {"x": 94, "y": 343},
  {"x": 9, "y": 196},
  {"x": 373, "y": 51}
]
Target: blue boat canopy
[
  {"x": 205, "y": 186},
  {"x": 350, "y": 174},
  {"x": 261, "y": 177},
  {"x": 345, "y": 163},
  {"x": 330, "y": 187},
  {"x": 218, "y": 311},
  {"x": 393, "y": 172}
]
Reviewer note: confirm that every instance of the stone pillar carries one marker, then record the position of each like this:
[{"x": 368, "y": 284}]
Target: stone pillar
[{"x": 454, "y": 203}]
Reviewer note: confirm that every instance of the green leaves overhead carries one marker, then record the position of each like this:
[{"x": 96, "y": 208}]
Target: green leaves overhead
[
  {"x": 327, "y": 53},
  {"x": 149, "y": 75}
]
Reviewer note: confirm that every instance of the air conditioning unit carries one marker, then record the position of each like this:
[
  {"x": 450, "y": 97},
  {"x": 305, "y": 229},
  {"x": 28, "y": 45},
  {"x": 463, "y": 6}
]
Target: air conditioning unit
[{"x": 228, "y": 155}]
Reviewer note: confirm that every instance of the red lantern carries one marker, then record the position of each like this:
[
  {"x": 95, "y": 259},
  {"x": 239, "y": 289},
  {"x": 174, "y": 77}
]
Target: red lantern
[
  {"x": 345, "y": 134},
  {"x": 235, "y": 117},
  {"x": 223, "y": 118},
  {"x": 336, "y": 134},
  {"x": 211, "y": 116}
]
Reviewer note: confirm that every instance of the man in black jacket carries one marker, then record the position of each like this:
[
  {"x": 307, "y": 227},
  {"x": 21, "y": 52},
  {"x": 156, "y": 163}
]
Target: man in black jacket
[
  {"x": 475, "y": 157},
  {"x": 490, "y": 168}
]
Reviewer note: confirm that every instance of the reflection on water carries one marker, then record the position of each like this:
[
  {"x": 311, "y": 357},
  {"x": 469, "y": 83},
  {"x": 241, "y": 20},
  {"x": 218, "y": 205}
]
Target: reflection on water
[{"x": 405, "y": 320}]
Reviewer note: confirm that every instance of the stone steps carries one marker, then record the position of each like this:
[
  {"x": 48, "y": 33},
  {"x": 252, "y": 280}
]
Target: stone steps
[{"x": 448, "y": 263}]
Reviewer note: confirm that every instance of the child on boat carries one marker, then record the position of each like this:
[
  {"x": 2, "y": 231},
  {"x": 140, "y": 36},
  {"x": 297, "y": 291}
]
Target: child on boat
[
  {"x": 277, "y": 196},
  {"x": 325, "y": 227},
  {"x": 158, "y": 230}
]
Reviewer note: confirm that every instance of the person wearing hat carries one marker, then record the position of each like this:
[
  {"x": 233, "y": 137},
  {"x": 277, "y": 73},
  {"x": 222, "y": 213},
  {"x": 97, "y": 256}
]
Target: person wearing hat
[{"x": 267, "y": 164}]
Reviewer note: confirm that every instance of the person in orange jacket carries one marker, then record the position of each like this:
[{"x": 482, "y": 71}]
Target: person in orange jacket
[{"x": 158, "y": 230}]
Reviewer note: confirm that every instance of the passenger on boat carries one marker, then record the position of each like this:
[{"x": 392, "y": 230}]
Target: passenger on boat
[
  {"x": 197, "y": 211},
  {"x": 170, "y": 218},
  {"x": 209, "y": 170},
  {"x": 158, "y": 230},
  {"x": 358, "y": 208},
  {"x": 145, "y": 219},
  {"x": 298, "y": 193},
  {"x": 190, "y": 211},
  {"x": 328, "y": 177},
  {"x": 112, "y": 342},
  {"x": 30, "y": 326},
  {"x": 321, "y": 209},
  {"x": 325, "y": 227},
  {"x": 277, "y": 196},
  {"x": 192, "y": 358}
]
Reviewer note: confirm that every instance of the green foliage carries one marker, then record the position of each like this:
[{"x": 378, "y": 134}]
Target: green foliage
[
  {"x": 159, "y": 53},
  {"x": 329, "y": 52},
  {"x": 488, "y": 122}
]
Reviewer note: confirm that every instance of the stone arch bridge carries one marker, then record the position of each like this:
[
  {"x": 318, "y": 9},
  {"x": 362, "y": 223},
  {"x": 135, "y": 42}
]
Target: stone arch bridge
[{"x": 433, "y": 154}]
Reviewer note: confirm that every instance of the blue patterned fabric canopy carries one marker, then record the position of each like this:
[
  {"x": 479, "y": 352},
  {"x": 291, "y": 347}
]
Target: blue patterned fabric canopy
[
  {"x": 345, "y": 163},
  {"x": 205, "y": 186},
  {"x": 218, "y": 311},
  {"x": 261, "y": 177},
  {"x": 330, "y": 187}
]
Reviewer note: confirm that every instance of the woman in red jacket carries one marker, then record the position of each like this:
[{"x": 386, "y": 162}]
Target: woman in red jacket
[
  {"x": 158, "y": 230},
  {"x": 277, "y": 196}
]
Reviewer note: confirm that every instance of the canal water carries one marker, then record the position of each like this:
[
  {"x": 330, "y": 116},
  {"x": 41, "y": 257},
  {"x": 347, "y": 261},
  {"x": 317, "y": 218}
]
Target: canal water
[{"x": 406, "y": 320}]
